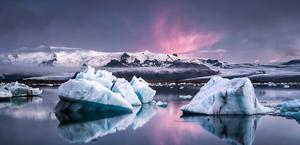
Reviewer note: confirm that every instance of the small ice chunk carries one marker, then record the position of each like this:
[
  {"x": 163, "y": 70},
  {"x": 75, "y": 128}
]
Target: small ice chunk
[
  {"x": 286, "y": 86},
  {"x": 290, "y": 109},
  {"x": 142, "y": 89},
  {"x": 185, "y": 96},
  {"x": 181, "y": 87},
  {"x": 18, "y": 89},
  {"x": 91, "y": 91},
  {"x": 161, "y": 104},
  {"x": 271, "y": 84},
  {"x": 292, "y": 105},
  {"x": 224, "y": 96},
  {"x": 123, "y": 87}
]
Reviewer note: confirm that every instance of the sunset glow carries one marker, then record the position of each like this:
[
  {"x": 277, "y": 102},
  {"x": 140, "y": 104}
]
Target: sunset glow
[{"x": 171, "y": 37}]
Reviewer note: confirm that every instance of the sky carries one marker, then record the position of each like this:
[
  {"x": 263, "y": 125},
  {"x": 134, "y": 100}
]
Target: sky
[{"x": 229, "y": 30}]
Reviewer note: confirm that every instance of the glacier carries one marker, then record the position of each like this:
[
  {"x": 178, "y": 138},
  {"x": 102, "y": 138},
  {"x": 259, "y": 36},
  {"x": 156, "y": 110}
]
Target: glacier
[
  {"x": 99, "y": 90},
  {"x": 226, "y": 97},
  {"x": 16, "y": 89}
]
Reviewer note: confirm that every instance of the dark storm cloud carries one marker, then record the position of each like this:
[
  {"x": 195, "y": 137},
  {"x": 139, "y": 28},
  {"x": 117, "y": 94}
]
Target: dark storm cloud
[{"x": 245, "y": 30}]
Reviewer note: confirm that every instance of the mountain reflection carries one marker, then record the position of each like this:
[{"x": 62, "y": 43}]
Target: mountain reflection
[
  {"x": 76, "y": 128},
  {"x": 233, "y": 130}
]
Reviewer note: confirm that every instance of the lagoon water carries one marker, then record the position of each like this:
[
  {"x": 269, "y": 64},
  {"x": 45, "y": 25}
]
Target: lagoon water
[{"x": 27, "y": 121}]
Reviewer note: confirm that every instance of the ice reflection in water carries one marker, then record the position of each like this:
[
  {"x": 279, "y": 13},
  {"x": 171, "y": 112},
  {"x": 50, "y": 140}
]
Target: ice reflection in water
[
  {"x": 233, "y": 130},
  {"x": 76, "y": 128},
  {"x": 25, "y": 108}
]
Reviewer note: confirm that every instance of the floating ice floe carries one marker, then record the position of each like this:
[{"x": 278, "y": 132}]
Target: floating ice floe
[
  {"x": 223, "y": 96},
  {"x": 101, "y": 91},
  {"x": 161, "y": 104},
  {"x": 185, "y": 96},
  {"x": 290, "y": 109},
  {"x": 286, "y": 86},
  {"x": 16, "y": 89},
  {"x": 142, "y": 89},
  {"x": 292, "y": 105},
  {"x": 272, "y": 84}
]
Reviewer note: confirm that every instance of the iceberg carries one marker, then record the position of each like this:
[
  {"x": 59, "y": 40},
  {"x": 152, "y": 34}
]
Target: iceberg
[
  {"x": 226, "y": 97},
  {"x": 142, "y": 89},
  {"x": 94, "y": 94},
  {"x": 233, "y": 130},
  {"x": 16, "y": 89},
  {"x": 124, "y": 88},
  {"x": 102, "y": 91}
]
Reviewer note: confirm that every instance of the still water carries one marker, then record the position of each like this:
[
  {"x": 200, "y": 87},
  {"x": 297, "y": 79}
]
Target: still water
[{"x": 27, "y": 121}]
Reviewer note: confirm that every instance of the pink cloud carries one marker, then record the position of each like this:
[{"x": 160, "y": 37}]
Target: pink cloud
[{"x": 172, "y": 37}]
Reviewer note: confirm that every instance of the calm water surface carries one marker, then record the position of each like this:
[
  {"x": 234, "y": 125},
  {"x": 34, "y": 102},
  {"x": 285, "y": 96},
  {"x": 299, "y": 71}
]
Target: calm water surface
[{"x": 32, "y": 121}]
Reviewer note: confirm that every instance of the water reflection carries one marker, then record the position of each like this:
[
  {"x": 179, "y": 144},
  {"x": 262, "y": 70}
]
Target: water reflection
[
  {"x": 233, "y": 130},
  {"x": 16, "y": 102},
  {"x": 25, "y": 108},
  {"x": 76, "y": 128}
]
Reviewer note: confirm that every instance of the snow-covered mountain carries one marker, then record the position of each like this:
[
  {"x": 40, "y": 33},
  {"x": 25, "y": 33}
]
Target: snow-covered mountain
[
  {"x": 76, "y": 57},
  {"x": 60, "y": 63}
]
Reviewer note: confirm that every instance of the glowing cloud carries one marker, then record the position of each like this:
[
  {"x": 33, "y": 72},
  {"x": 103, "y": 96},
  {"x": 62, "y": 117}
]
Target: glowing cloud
[{"x": 173, "y": 38}]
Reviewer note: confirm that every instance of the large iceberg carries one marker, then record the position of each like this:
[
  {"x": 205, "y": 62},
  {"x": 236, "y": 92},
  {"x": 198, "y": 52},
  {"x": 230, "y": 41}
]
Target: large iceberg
[
  {"x": 223, "y": 96},
  {"x": 16, "y": 89},
  {"x": 142, "y": 89},
  {"x": 101, "y": 91},
  {"x": 91, "y": 92}
]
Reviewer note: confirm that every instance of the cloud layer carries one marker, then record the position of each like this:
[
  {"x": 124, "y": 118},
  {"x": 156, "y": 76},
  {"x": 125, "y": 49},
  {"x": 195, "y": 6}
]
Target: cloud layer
[{"x": 245, "y": 31}]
